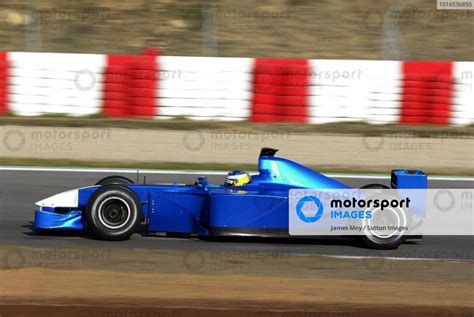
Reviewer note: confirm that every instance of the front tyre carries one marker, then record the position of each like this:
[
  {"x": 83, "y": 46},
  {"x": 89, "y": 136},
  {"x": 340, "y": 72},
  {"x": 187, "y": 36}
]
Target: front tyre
[
  {"x": 114, "y": 180},
  {"x": 114, "y": 213}
]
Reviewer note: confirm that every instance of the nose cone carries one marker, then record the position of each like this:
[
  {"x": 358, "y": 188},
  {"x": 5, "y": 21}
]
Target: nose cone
[{"x": 69, "y": 199}]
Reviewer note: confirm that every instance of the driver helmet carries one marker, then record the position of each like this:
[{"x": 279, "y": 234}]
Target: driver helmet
[{"x": 237, "y": 178}]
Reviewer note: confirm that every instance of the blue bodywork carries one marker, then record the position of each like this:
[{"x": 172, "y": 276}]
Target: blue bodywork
[{"x": 259, "y": 208}]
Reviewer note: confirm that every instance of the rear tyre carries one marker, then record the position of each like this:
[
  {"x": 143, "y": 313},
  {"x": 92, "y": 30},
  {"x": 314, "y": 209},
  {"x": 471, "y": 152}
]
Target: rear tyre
[
  {"x": 384, "y": 239},
  {"x": 382, "y": 244},
  {"x": 114, "y": 179},
  {"x": 375, "y": 186},
  {"x": 114, "y": 213}
]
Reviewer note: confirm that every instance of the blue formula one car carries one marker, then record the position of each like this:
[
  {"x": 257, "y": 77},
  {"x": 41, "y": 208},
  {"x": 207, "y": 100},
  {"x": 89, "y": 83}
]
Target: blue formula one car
[{"x": 245, "y": 205}]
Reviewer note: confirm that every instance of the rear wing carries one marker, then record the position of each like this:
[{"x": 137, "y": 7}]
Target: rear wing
[{"x": 409, "y": 179}]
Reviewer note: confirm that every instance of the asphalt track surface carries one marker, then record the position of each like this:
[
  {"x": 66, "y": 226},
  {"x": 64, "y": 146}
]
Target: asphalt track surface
[{"x": 19, "y": 190}]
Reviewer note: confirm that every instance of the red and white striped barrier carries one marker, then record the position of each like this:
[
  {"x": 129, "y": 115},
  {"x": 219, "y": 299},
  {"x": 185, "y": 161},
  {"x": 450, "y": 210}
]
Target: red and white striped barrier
[
  {"x": 280, "y": 90},
  {"x": 218, "y": 88},
  {"x": 53, "y": 83},
  {"x": 4, "y": 75},
  {"x": 130, "y": 84},
  {"x": 347, "y": 90},
  {"x": 205, "y": 88},
  {"x": 463, "y": 93}
]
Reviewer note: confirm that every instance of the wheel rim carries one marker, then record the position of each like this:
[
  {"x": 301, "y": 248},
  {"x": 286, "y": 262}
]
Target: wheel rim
[
  {"x": 400, "y": 221},
  {"x": 114, "y": 212}
]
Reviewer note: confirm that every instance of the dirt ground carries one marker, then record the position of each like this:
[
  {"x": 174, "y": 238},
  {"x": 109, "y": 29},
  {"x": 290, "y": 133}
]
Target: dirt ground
[
  {"x": 115, "y": 282},
  {"x": 444, "y": 153},
  {"x": 365, "y": 29},
  {"x": 210, "y": 308}
]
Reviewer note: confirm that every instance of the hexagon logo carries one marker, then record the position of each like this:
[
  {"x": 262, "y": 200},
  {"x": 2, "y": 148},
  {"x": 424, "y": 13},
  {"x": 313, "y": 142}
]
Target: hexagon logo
[{"x": 309, "y": 209}]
